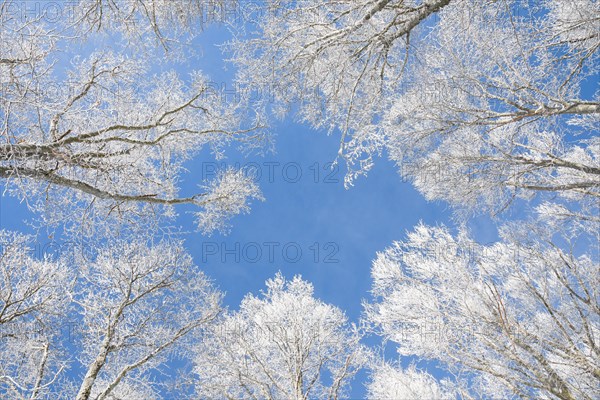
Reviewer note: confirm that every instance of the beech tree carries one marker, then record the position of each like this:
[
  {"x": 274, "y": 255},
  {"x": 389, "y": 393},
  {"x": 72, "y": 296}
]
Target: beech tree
[
  {"x": 33, "y": 295},
  {"x": 123, "y": 317},
  {"x": 508, "y": 112},
  {"x": 283, "y": 345},
  {"x": 110, "y": 132},
  {"x": 389, "y": 382},
  {"x": 520, "y": 317},
  {"x": 479, "y": 102}
]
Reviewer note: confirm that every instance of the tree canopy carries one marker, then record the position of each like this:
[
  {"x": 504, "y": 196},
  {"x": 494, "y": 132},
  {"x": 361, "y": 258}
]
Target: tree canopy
[{"x": 488, "y": 106}]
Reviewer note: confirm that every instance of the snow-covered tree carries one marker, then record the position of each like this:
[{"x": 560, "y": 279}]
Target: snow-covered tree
[
  {"x": 283, "y": 345},
  {"x": 140, "y": 307},
  {"x": 109, "y": 131},
  {"x": 128, "y": 314},
  {"x": 520, "y": 317},
  {"x": 478, "y": 102},
  {"x": 502, "y": 107},
  {"x": 389, "y": 382},
  {"x": 33, "y": 296}
]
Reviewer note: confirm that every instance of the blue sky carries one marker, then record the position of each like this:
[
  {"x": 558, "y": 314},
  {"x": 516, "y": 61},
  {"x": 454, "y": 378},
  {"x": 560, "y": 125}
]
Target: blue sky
[{"x": 338, "y": 231}]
